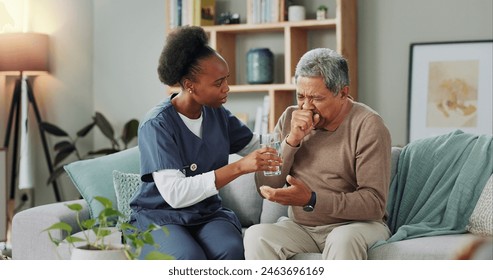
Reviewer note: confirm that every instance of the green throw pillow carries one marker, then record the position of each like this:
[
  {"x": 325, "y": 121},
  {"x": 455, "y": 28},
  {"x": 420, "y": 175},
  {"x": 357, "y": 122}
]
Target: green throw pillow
[
  {"x": 126, "y": 185},
  {"x": 94, "y": 177}
]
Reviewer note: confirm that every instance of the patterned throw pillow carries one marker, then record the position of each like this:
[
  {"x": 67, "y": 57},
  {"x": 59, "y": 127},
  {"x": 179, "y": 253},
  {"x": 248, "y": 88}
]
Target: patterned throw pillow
[
  {"x": 481, "y": 220},
  {"x": 126, "y": 185}
]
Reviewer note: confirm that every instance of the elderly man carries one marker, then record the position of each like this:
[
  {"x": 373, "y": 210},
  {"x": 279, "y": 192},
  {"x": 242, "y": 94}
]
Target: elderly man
[{"x": 335, "y": 173}]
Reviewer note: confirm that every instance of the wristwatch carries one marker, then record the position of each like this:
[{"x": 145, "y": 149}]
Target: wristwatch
[{"x": 311, "y": 204}]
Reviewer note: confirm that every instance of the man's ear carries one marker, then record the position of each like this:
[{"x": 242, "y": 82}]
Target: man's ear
[{"x": 345, "y": 92}]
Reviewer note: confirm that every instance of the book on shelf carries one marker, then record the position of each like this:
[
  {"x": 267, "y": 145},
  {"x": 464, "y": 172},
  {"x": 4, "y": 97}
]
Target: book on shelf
[
  {"x": 186, "y": 10},
  {"x": 207, "y": 10},
  {"x": 261, "y": 125},
  {"x": 265, "y": 115},
  {"x": 196, "y": 12},
  {"x": 257, "y": 128},
  {"x": 265, "y": 11},
  {"x": 192, "y": 12}
]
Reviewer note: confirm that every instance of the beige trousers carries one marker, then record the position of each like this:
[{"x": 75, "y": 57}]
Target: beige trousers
[{"x": 284, "y": 239}]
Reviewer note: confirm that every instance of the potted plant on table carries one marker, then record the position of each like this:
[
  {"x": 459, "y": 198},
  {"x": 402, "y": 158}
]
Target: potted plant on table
[{"x": 97, "y": 231}]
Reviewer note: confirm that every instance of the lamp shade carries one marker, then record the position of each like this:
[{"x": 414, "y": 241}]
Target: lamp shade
[{"x": 24, "y": 52}]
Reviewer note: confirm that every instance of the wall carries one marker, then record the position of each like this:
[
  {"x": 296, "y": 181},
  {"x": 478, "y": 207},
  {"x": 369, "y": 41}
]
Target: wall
[
  {"x": 105, "y": 56},
  {"x": 128, "y": 39},
  {"x": 65, "y": 95},
  {"x": 386, "y": 28}
]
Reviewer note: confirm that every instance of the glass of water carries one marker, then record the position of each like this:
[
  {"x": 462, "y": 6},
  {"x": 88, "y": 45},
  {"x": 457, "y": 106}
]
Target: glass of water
[{"x": 272, "y": 140}]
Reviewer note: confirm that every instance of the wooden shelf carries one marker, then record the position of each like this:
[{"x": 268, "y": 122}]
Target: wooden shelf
[
  {"x": 272, "y": 27},
  {"x": 223, "y": 39}
]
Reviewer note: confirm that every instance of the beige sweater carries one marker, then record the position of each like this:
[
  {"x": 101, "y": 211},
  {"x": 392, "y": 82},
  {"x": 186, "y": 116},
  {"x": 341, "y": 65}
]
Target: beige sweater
[{"x": 349, "y": 168}]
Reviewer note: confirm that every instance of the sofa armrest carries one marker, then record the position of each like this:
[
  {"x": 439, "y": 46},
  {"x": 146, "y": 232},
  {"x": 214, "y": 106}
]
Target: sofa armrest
[{"x": 29, "y": 242}]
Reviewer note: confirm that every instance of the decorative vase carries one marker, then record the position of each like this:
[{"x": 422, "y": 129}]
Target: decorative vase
[
  {"x": 260, "y": 66},
  {"x": 296, "y": 13},
  {"x": 116, "y": 252}
]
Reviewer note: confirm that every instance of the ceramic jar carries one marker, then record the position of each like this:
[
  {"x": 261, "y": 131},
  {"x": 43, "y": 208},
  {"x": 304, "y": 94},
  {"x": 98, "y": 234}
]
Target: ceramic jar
[
  {"x": 260, "y": 66},
  {"x": 296, "y": 13}
]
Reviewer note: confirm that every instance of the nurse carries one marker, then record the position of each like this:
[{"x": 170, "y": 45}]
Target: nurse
[{"x": 184, "y": 147}]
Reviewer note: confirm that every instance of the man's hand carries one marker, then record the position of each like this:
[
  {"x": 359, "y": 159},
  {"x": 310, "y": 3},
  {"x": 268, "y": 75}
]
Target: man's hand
[
  {"x": 298, "y": 194},
  {"x": 302, "y": 123}
]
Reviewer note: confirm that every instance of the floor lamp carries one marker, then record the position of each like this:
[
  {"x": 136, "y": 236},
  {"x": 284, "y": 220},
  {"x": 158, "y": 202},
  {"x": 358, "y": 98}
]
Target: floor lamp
[{"x": 25, "y": 54}]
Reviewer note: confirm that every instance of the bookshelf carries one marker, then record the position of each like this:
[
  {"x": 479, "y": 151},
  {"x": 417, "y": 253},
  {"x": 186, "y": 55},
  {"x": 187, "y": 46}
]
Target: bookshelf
[{"x": 295, "y": 36}]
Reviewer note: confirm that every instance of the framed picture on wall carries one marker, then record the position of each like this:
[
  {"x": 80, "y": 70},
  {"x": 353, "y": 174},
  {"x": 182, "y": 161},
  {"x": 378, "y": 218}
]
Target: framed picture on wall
[{"x": 450, "y": 87}]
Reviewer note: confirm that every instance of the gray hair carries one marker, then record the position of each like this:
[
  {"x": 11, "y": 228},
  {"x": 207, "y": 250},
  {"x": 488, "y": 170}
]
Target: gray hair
[{"x": 326, "y": 63}]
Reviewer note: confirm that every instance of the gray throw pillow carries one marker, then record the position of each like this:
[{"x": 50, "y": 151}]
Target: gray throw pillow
[{"x": 241, "y": 197}]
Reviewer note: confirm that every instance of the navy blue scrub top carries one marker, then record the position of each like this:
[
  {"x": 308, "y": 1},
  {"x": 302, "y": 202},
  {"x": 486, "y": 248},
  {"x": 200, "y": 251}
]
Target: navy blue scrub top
[{"x": 165, "y": 142}]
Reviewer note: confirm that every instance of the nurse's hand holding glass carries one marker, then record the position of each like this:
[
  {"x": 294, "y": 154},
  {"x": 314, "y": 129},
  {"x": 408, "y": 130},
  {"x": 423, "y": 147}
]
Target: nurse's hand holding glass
[
  {"x": 272, "y": 140},
  {"x": 265, "y": 159}
]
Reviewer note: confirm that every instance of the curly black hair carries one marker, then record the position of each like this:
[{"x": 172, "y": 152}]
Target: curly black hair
[{"x": 185, "y": 46}]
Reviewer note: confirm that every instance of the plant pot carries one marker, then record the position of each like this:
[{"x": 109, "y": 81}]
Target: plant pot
[
  {"x": 321, "y": 14},
  {"x": 115, "y": 252}
]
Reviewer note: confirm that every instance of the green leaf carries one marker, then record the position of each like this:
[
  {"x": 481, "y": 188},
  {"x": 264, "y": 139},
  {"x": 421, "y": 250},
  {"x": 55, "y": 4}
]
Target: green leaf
[
  {"x": 54, "y": 240},
  {"x": 63, "y": 154},
  {"x": 156, "y": 255},
  {"x": 73, "y": 239},
  {"x": 127, "y": 227},
  {"x": 153, "y": 227},
  {"x": 62, "y": 145},
  {"x": 138, "y": 243},
  {"x": 75, "y": 207},
  {"x": 60, "y": 226},
  {"x": 85, "y": 130},
  {"x": 89, "y": 223},
  {"x": 102, "y": 232},
  {"x": 53, "y": 129},
  {"x": 130, "y": 238},
  {"x": 104, "y": 201},
  {"x": 147, "y": 238},
  {"x": 105, "y": 126},
  {"x": 109, "y": 212},
  {"x": 130, "y": 131},
  {"x": 165, "y": 230}
]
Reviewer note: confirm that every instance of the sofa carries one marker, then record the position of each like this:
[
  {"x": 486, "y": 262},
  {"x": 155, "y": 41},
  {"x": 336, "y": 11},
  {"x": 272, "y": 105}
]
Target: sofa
[{"x": 112, "y": 175}]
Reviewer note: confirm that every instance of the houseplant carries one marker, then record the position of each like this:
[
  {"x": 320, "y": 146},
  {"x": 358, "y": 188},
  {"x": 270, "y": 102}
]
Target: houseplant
[
  {"x": 322, "y": 12},
  {"x": 68, "y": 145},
  {"x": 95, "y": 232}
]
